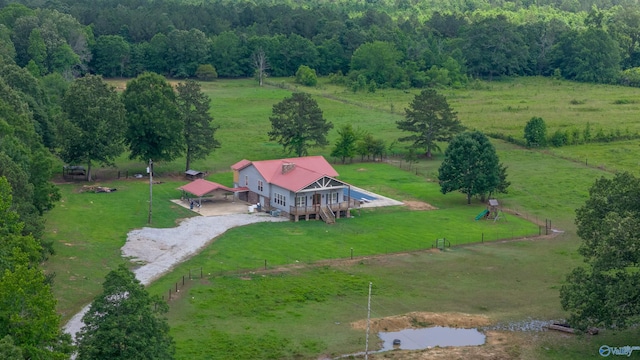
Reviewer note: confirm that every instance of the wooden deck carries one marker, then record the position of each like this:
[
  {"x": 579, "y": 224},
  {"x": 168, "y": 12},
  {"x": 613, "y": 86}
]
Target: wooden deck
[{"x": 314, "y": 212}]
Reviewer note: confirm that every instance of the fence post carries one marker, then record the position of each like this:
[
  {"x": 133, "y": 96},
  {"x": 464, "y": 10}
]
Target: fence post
[
  {"x": 265, "y": 264},
  {"x": 182, "y": 280},
  {"x": 176, "y": 286},
  {"x": 200, "y": 273}
]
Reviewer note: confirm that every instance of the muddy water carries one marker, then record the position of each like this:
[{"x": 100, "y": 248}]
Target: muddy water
[{"x": 415, "y": 339}]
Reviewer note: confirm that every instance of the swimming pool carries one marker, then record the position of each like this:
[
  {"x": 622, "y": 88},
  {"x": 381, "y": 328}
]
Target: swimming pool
[{"x": 355, "y": 194}]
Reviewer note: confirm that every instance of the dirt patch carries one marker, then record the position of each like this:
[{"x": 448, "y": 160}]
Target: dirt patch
[
  {"x": 418, "y": 205},
  {"x": 423, "y": 319}
]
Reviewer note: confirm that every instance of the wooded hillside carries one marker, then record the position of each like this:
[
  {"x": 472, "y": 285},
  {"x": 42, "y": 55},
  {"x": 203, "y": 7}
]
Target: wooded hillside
[{"x": 386, "y": 43}]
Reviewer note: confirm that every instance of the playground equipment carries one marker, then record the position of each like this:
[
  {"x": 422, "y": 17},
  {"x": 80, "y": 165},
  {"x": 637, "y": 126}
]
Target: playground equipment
[
  {"x": 442, "y": 243},
  {"x": 492, "y": 212},
  {"x": 482, "y": 214}
]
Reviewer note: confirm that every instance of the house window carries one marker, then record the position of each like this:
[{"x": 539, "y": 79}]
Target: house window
[
  {"x": 246, "y": 180},
  {"x": 334, "y": 198},
  {"x": 301, "y": 201},
  {"x": 280, "y": 199},
  {"x": 260, "y": 185}
]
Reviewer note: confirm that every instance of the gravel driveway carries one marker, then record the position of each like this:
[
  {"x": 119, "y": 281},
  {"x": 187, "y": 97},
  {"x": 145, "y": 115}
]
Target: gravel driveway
[{"x": 159, "y": 250}]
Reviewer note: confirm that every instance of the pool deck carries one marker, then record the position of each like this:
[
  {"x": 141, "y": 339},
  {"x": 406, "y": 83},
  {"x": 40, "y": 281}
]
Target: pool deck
[{"x": 379, "y": 199}]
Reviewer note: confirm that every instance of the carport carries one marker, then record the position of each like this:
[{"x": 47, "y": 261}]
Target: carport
[{"x": 204, "y": 190}]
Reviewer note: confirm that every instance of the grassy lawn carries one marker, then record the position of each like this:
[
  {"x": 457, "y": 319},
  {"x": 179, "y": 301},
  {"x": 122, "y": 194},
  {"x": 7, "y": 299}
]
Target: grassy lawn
[
  {"x": 302, "y": 305},
  {"x": 307, "y": 312},
  {"x": 88, "y": 229}
]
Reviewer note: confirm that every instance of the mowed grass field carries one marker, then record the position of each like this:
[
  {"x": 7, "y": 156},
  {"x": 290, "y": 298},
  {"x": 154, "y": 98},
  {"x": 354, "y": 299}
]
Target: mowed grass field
[{"x": 304, "y": 311}]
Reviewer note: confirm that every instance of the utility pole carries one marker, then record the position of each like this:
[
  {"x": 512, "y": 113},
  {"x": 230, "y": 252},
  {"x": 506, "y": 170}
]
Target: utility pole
[
  {"x": 150, "y": 171},
  {"x": 366, "y": 342}
]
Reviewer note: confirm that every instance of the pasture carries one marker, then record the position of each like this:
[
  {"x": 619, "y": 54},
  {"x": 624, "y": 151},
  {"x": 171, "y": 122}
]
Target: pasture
[{"x": 302, "y": 305}]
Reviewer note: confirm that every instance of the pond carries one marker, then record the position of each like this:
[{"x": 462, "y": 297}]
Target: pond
[{"x": 415, "y": 339}]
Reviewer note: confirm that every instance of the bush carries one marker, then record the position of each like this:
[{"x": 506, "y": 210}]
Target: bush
[
  {"x": 535, "y": 132},
  {"x": 306, "y": 76},
  {"x": 206, "y": 72},
  {"x": 338, "y": 79},
  {"x": 559, "y": 138},
  {"x": 630, "y": 77}
]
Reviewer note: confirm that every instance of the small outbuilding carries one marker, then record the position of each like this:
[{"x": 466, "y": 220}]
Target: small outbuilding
[
  {"x": 74, "y": 172},
  {"x": 194, "y": 174}
]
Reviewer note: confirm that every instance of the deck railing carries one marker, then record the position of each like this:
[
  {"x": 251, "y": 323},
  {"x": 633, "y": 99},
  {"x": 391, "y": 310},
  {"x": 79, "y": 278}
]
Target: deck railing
[{"x": 315, "y": 209}]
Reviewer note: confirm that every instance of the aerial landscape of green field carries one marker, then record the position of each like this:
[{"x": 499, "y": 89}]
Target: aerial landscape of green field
[
  {"x": 311, "y": 283},
  {"x": 311, "y": 179}
]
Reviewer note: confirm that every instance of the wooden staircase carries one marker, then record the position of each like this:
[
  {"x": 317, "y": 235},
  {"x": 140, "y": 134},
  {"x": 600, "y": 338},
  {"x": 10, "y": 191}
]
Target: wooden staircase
[{"x": 327, "y": 215}]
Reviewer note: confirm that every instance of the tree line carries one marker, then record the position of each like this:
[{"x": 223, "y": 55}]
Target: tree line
[
  {"x": 80, "y": 122},
  {"x": 378, "y": 45}
]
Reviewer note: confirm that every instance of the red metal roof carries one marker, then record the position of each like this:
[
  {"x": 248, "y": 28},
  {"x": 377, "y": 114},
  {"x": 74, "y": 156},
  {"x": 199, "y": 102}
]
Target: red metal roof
[
  {"x": 202, "y": 187},
  {"x": 305, "y": 171},
  {"x": 240, "y": 164}
]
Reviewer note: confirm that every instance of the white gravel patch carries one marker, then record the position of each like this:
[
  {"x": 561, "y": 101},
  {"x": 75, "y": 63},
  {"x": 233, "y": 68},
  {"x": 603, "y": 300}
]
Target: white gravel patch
[{"x": 159, "y": 250}]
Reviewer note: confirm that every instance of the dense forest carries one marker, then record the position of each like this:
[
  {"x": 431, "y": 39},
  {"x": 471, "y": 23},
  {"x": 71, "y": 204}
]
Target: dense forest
[
  {"x": 397, "y": 44},
  {"x": 361, "y": 44}
]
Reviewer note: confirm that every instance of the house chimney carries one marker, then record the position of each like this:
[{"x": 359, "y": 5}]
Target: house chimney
[{"x": 286, "y": 167}]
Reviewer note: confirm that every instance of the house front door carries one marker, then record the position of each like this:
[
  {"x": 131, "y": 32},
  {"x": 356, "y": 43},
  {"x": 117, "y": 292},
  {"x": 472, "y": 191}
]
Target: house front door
[{"x": 316, "y": 199}]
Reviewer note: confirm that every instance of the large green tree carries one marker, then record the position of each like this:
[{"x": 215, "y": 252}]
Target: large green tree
[
  {"x": 95, "y": 128},
  {"x": 185, "y": 51},
  {"x": 24, "y": 161},
  {"x": 470, "y": 166},
  {"x": 604, "y": 292},
  {"x": 624, "y": 26},
  {"x": 297, "y": 124},
  {"x": 229, "y": 55},
  {"x": 346, "y": 145},
  {"x": 155, "y": 131},
  {"x": 28, "y": 314},
  {"x": 15, "y": 247},
  {"x": 27, "y": 305},
  {"x": 430, "y": 119},
  {"x": 111, "y": 54},
  {"x": 494, "y": 47},
  {"x": 378, "y": 61},
  {"x": 591, "y": 56},
  {"x": 535, "y": 132},
  {"x": 199, "y": 131},
  {"x": 124, "y": 322}
]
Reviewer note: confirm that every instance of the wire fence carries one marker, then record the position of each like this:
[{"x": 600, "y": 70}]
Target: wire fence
[
  {"x": 186, "y": 280},
  {"x": 113, "y": 173}
]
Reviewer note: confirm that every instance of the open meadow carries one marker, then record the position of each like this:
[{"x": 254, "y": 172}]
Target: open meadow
[{"x": 301, "y": 304}]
